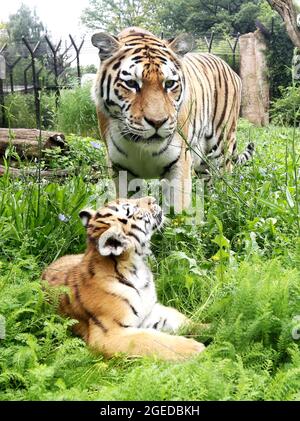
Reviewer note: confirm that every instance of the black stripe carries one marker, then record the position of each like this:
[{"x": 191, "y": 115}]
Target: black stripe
[
  {"x": 123, "y": 220},
  {"x": 67, "y": 298},
  {"x": 101, "y": 83},
  {"x": 134, "y": 226},
  {"x": 97, "y": 321},
  {"x": 110, "y": 103},
  {"x": 121, "y": 324},
  {"x": 225, "y": 103},
  {"x": 193, "y": 97},
  {"x": 91, "y": 268},
  {"x": 215, "y": 71},
  {"x": 162, "y": 150},
  {"x": 106, "y": 215},
  {"x": 120, "y": 97},
  {"x": 87, "y": 312},
  {"x": 146, "y": 284},
  {"x": 133, "y": 269},
  {"x": 121, "y": 278},
  {"x": 65, "y": 280},
  {"x": 118, "y": 148},
  {"x": 169, "y": 166},
  {"x": 196, "y": 73},
  {"x": 136, "y": 58},
  {"x": 119, "y": 167},
  {"x": 125, "y": 300},
  {"x": 124, "y": 281},
  {"x": 108, "y": 86},
  {"x": 132, "y": 234},
  {"x": 116, "y": 65},
  {"x": 132, "y": 308},
  {"x": 128, "y": 106},
  {"x": 155, "y": 325}
]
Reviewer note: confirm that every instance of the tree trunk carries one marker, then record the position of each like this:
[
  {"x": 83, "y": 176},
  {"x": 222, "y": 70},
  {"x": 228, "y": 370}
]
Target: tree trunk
[
  {"x": 26, "y": 141},
  {"x": 288, "y": 12},
  {"x": 253, "y": 72}
]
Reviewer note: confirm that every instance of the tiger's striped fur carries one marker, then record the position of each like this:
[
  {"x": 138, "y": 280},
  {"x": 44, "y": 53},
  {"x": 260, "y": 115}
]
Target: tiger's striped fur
[
  {"x": 162, "y": 109},
  {"x": 112, "y": 290}
]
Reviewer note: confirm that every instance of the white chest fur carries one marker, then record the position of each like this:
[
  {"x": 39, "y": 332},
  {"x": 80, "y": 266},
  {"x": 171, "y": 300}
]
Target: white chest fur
[
  {"x": 142, "y": 159},
  {"x": 137, "y": 290}
]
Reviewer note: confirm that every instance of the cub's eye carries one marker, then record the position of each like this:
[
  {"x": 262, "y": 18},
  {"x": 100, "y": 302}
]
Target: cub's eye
[
  {"x": 169, "y": 84},
  {"x": 131, "y": 83}
]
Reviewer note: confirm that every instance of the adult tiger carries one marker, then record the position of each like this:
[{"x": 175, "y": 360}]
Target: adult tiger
[
  {"x": 162, "y": 109},
  {"x": 112, "y": 292}
]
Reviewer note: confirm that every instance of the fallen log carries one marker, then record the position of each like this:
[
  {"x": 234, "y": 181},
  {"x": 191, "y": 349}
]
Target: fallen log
[
  {"x": 26, "y": 141},
  {"x": 15, "y": 172}
]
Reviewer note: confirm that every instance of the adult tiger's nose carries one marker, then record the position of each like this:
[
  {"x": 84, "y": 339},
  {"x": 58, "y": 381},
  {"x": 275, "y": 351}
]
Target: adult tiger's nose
[{"x": 155, "y": 123}]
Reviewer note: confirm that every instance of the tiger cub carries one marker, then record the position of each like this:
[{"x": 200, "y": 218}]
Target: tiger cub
[{"x": 113, "y": 295}]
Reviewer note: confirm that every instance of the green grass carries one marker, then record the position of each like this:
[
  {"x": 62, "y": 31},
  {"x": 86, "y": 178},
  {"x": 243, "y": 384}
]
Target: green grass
[
  {"x": 76, "y": 113},
  {"x": 20, "y": 110},
  {"x": 249, "y": 291}
]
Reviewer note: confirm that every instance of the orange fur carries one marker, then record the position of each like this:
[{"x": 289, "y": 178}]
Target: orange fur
[
  {"x": 152, "y": 131},
  {"x": 113, "y": 295}
]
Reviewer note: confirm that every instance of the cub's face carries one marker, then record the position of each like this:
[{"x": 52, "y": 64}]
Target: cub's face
[
  {"x": 123, "y": 225},
  {"x": 140, "y": 84}
]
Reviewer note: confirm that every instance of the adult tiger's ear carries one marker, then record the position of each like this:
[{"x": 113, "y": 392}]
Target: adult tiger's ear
[
  {"x": 182, "y": 44},
  {"x": 106, "y": 44},
  {"x": 85, "y": 215},
  {"x": 113, "y": 242}
]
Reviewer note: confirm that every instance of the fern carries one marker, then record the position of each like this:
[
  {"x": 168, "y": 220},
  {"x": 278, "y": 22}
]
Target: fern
[{"x": 249, "y": 299}]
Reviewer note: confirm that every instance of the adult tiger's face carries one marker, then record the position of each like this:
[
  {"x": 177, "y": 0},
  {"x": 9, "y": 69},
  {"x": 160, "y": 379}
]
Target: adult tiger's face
[
  {"x": 140, "y": 83},
  {"x": 123, "y": 225}
]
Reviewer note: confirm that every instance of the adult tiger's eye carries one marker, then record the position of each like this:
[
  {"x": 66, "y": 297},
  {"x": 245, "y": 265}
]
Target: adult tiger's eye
[
  {"x": 131, "y": 83},
  {"x": 169, "y": 84}
]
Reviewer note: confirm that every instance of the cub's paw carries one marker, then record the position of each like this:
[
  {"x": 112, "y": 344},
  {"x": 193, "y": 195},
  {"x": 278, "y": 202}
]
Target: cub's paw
[{"x": 183, "y": 348}]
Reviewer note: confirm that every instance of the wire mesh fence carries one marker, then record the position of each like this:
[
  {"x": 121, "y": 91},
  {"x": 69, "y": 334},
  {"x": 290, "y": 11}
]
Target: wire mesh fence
[{"x": 53, "y": 66}]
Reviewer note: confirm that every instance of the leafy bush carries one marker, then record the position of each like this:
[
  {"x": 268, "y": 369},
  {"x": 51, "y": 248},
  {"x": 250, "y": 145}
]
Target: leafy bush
[
  {"x": 76, "y": 113},
  {"x": 286, "y": 109},
  {"x": 85, "y": 156}
]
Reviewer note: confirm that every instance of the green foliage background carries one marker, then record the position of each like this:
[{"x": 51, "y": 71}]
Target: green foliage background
[{"x": 239, "y": 272}]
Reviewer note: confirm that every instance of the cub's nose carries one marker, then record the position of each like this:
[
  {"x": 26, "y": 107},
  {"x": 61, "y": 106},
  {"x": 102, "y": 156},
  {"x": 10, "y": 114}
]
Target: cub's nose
[{"x": 155, "y": 123}]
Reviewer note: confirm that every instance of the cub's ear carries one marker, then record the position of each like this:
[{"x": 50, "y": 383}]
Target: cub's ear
[
  {"x": 106, "y": 44},
  {"x": 182, "y": 44},
  {"x": 85, "y": 216},
  {"x": 113, "y": 242}
]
